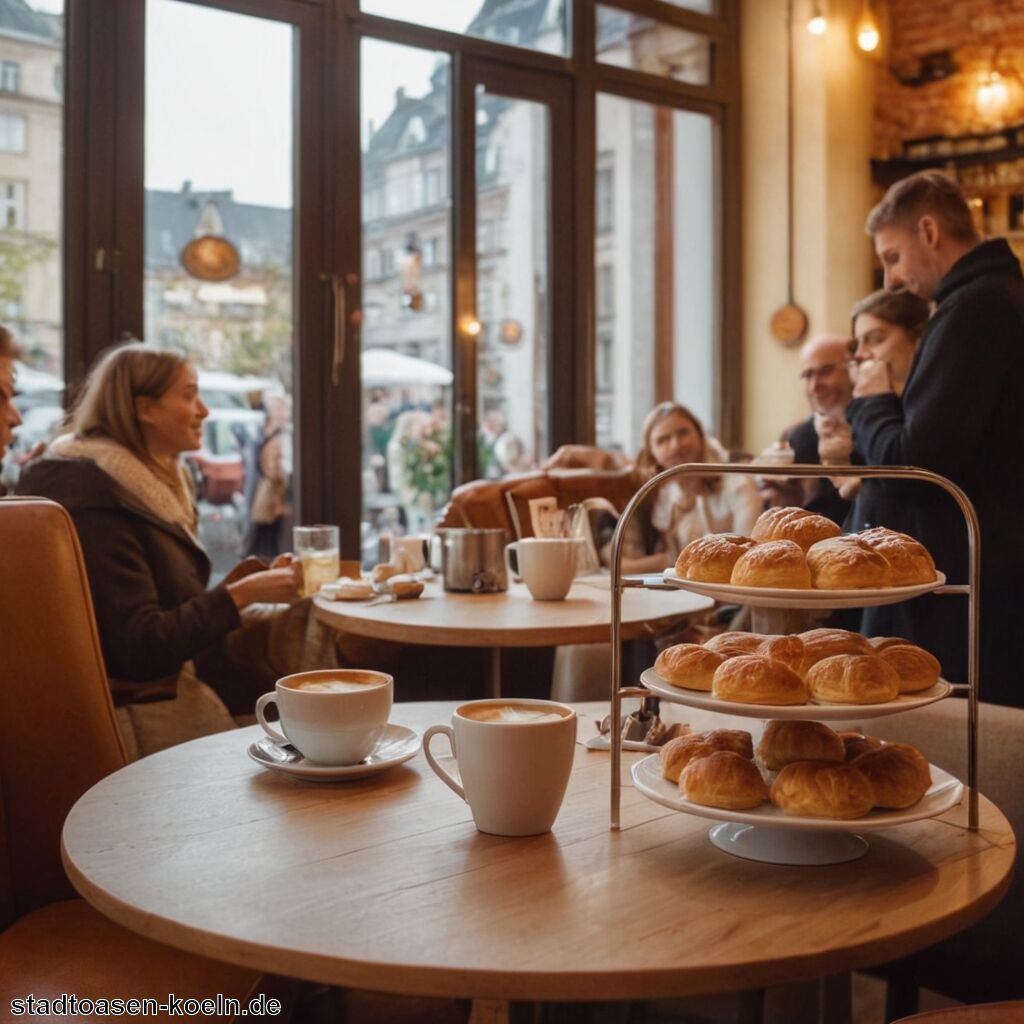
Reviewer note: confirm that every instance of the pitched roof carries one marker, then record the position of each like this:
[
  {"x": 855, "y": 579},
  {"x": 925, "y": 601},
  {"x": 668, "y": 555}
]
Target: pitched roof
[{"x": 17, "y": 16}]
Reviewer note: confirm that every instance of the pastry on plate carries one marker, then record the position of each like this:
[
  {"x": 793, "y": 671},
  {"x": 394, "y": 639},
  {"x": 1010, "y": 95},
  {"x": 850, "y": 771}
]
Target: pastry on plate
[
  {"x": 776, "y": 563},
  {"x": 856, "y": 743},
  {"x": 794, "y": 524},
  {"x": 899, "y": 774},
  {"x": 853, "y": 679},
  {"x": 819, "y": 789},
  {"x": 753, "y": 679},
  {"x": 710, "y": 558},
  {"x": 688, "y": 665},
  {"x": 824, "y": 642},
  {"x": 917, "y": 669},
  {"x": 909, "y": 560},
  {"x": 723, "y": 779},
  {"x": 787, "y": 740},
  {"x": 843, "y": 563},
  {"x": 678, "y": 753},
  {"x": 734, "y": 642}
]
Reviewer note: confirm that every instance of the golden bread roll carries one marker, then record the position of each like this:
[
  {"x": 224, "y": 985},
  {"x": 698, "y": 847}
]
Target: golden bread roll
[
  {"x": 752, "y": 679},
  {"x": 856, "y": 743},
  {"x": 795, "y": 524},
  {"x": 787, "y": 649},
  {"x": 879, "y": 643},
  {"x": 823, "y": 643},
  {"x": 678, "y": 753},
  {"x": 711, "y": 558},
  {"x": 818, "y": 789},
  {"x": 787, "y": 741},
  {"x": 838, "y": 564},
  {"x": 776, "y": 563},
  {"x": 853, "y": 679},
  {"x": 899, "y": 774},
  {"x": 916, "y": 668},
  {"x": 732, "y": 643},
  {"x": 688, "y": 665},
  {"x": 384, "y": 571},
  {"x": 909, "y": 559},
  {"x": 723, "y": 779}
]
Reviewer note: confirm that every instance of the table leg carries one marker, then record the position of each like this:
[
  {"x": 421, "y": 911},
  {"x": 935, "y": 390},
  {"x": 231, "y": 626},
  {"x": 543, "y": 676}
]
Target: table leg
[
  {"x": 835, "y": 998},
  {"x": 492, "y": 673},
  {"x": 489, "y": 1011}
]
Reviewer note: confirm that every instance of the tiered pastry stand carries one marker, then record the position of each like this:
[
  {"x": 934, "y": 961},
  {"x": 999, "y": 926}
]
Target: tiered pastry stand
[{"x": 765, "y": 834}]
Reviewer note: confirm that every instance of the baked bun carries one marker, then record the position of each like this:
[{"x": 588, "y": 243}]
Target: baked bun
[
  {"x": 795, "y": 524},
  {"x": 823, "y": 643},
  {"x": 916, "y": 668},
  {"x": 817, "y": 789},
  {"x": 787, "y": 741},
  {"x": 776, "y": 563},
  {"x": 732, "y": 643},
  {"x": 852, "y": 679},
  {"x": 898, "y": 772},
  {"x": 711, "y": 558},
  {"x": 856, "y": 743},
  {"x": 909, "y": 559},
  {"x": 688, "y": 665},
  {"x": 723, "y": 779},
  {"x": 678, "y": 753},
  {"x": 879, "y": 643},
  {"x": 787, "y": 649},
  {"x": 752, "y": 679},
  {"x": 840, "y": 564}
]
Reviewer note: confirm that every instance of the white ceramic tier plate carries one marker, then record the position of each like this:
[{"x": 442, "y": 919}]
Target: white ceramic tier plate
[
  {"x": 945, "y": 792},
  {"x": 397, "y": 745},
  {"x": 773, "y": 597},
  {"x": 817, "y": 712}
]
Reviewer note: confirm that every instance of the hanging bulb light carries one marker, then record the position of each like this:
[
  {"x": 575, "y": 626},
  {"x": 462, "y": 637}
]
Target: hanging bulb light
[
  {"x": 868, "y": 33},
  {"x": 992, "y": 94},
  {"x": 817, "y": 23}
]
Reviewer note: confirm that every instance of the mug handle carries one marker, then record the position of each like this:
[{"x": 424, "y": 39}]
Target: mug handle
[
  {"x": 261, "y": 718},
  {"x": 509, "y": 550},
  {"x": 438, "y": 770}
]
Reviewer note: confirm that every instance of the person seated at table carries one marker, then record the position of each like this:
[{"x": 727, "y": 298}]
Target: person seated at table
[
  {"x": 119, "y": 474},
  {"x": 683, "y": 508},
  {"x": 10, "y": 418}
]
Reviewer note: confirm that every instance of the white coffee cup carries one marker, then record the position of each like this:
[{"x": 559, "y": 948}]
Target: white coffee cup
[
  {"x": 411, "y": 553},
  {"x": 514, "y": 756},
  {"x": 547, "y": 565},
  {"x": 332, "y": 716}
]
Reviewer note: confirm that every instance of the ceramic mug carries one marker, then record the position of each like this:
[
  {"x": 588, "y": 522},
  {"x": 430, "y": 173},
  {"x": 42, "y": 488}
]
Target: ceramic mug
[
  {"x": 547, "y": 565},
  {"x": 410, "y": 554},
  {"x": 332, "y": 716},
  {"x": 514, "y": 756}
]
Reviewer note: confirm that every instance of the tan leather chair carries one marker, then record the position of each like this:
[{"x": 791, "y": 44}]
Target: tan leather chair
[{"x": 58, "y": 737}]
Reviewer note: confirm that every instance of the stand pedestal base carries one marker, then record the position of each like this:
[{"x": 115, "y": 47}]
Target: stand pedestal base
[{"x": 787, "y": 846}]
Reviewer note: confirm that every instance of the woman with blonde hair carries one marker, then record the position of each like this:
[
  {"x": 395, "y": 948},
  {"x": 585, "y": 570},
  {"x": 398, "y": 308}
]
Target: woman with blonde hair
[{"x": 120, "y": 475}]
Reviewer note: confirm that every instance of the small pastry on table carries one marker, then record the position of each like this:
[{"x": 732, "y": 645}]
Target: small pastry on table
[
  {"x": 793, "y": 524},
  {"x": 678, "y": 753},
  {"x": 752, "y": 679},
  {"x": 820, "y": 789},
  {"x": 711, "y": 558},
  {"x": 723, "y": 779},
  {"x": 899, "y": 774},
  {"x": 776, "y": 563},
  {"x": 689, "y": 666},
  {"x": 853, "y": 679}
]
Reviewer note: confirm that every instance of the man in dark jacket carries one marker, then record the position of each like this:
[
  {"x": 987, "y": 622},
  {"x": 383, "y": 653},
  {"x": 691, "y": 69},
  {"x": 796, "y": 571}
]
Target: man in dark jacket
[{"x": 960, "y": 415}]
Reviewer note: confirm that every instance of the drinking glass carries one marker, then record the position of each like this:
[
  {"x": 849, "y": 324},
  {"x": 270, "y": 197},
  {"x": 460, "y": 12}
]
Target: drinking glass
[{"x": 317, "y": 551}]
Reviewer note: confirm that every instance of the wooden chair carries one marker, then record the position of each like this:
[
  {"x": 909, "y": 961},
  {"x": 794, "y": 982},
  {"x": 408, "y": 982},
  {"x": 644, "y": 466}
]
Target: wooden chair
[
  {"x": 983, "y": 963},
  {"x": 58, "y": 737},
  {"x": 987, "y": 1013}
]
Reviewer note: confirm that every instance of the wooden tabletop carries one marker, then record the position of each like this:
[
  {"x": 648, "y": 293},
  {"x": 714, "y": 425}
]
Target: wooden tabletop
[
  {"x": 385, "y": 884},
  {"x": 512, "y": 618}
]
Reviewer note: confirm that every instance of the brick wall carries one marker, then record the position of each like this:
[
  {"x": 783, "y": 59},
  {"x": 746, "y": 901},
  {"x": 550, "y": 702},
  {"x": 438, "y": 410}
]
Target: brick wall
[{"x": 982, "y": 34}]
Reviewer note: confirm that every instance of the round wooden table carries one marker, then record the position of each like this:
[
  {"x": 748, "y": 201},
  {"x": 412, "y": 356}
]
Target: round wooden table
[
  {"x": 511, "y": 619},
  {"x": 385, "y": 884}
]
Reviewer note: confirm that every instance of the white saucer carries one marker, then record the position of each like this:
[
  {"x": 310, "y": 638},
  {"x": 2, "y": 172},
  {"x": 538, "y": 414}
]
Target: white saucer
[{"x": 398, "y": 744}]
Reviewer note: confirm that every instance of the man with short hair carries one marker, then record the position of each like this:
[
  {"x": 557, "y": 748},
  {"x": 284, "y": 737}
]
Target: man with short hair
[
  {"x": 960, "y": 415},
  {"x": 9, "y": 415}
]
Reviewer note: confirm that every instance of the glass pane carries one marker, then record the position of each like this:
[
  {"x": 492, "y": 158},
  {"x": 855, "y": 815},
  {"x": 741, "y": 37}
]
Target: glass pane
[
  {"x": 700, "y": 6},
  {"x": 534, "y": 24},
  {"x": 512, "y": 216},
  {"x": 31, "y": 225},
  {"x": 655, "y": 267},
  {"x": 218, "y": 263},
  {"x": 406, "y": 336},
  {"x": 643, "y": 44}
]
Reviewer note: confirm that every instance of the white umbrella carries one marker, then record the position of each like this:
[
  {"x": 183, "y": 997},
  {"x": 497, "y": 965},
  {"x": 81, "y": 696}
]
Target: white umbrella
[
  {"x": 29, "y": 380},
  {"x": 383, "y": 367},
  {"x": 231, "y": 383}
]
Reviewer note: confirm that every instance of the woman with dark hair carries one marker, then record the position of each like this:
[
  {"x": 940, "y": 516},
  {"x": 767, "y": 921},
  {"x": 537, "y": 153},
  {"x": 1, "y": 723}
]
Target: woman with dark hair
[{"x": 683, "y": 508}]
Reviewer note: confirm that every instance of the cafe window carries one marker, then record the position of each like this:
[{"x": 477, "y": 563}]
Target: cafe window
[
  {"x": 10, "y": 76},
  {"x": 636, "y": 41},
  {"x": 12, "y": 133},
  {"x": 12, "y": 204}
]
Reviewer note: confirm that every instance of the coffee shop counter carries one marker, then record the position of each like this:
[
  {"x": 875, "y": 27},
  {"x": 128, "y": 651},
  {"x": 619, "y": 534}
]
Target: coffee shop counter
[{"x": 384, "y": 882}]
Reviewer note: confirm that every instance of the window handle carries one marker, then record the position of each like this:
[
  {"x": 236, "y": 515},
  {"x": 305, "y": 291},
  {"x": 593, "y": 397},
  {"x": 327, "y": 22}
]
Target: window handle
[{"x": 338, "y": 322}]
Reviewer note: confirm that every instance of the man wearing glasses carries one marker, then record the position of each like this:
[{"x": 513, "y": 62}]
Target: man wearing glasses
[{"x": 960, "y": 415}]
